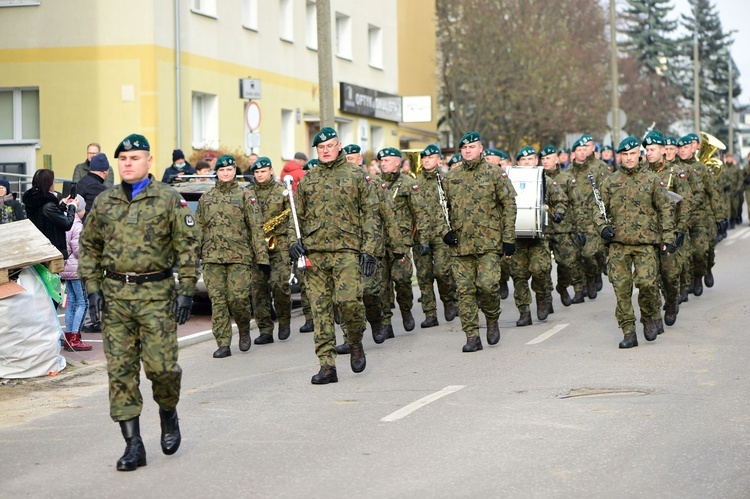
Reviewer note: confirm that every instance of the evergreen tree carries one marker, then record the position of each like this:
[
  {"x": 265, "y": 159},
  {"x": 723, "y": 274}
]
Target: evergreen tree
[{"x": 648, "y": 31}]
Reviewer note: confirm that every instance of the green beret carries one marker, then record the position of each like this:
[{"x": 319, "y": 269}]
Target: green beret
[
  {"x": 607, "y": 148},
  {"x": 547, "y": 150},
  {"x": 326, "y": 133},
  {"x": 684, "y": 140},
  {"x": 565, "y": 150},
  {"x": 670, "y": 141},
  {"x": 262, "y": 162},
  {"x": 389, "y": 151},
  {"x": 503, "y": 154},
  {"x": 627, "y": 144},
  {"x": 694, "y": 137},
  {"x": 431, "y": 150},
  {"x": 468, "y": 138},
  {"x": 456, "y": 158},
  {"x": 352, "y": 149},
  {"x": 226, "y": 160},
  {"x": 132, "y": 142},
  {"x": 586, "y": 138},
  {"x": 580, "y": 142},
  {"x": 310, "y": 164},
  {"x": 653, "y": 137},
  {"x": 490, "y": 151},
  {"x": 525, "y": 151}
]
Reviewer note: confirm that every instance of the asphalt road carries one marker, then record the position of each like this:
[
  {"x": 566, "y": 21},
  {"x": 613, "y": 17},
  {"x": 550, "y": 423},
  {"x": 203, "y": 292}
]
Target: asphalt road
[{"x": 554, "y": 410}]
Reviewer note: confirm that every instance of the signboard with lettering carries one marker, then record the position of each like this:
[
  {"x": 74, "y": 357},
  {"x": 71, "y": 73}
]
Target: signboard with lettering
[{"x": 369, "y": 102}]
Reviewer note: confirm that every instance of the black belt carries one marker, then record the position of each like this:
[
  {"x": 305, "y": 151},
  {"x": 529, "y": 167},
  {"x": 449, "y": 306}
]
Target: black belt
[{"x": 138, "y": 278}]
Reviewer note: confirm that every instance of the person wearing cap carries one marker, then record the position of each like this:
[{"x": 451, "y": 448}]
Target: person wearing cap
[
  {"x": 563, "y": 158},
  {"x": 608, "y": 157},
  {"x": 455, "y": 161},
  {"x": 210, "y": 157},
  {"x": 593, "y": 151},
  {"x": 532, "y": 259},
  {"x": 637, "y": 224},
  {"x": 135, "y": 234},
  {"x": 82, "y": 169},
  {"x": 482, "y": 212},
  {"x": 409, "y": 213},
  {"x": 353, "y": 154},
  {"x": 94, "y": 182},
  {"x": 593, "y": 251},
  {"x": 566, "y": 236},
  {"x": 675, "y": 181},
  {"x": 274, "y": 204},
  {"x": 300, "y": 158},
  {"x": 338, "y": 224},
  {"x": 179, "y": 167},
  {"x": 232, "y": 243},
  {"x": 10, "y": 209},
  {"x": 435, "y": 265}
]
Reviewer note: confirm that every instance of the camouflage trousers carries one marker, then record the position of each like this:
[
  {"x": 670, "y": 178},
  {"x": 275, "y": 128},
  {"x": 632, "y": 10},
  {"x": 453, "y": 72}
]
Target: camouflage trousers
[
  {"x": 135, "y": 331},
  {"x": 477, "y": 280},
  {"x": 229, "y": 290},
  {"x": 335, "y": 278},
  {"x": 435, "y": 267},
  {"x": 700, "y": 236},
  {"x": 670, "y": 271},
  {"x": 634, "y": 265},
  {"x": 686, "y": 263},
  {"x": 531, "y": 260},
  {"x": 747, "y": 202},
  {"x": 504, "y": 269},
  {"x": 397, "y": 274},
  {"x": 373, "y": 293},
  {"x": 711, "y": 255},
  {"x": 306, "y": 308},
  {"x": 279, "y": 287},
  {"x": 593, "y": 255},
  {"x": 567, "y": 253}
]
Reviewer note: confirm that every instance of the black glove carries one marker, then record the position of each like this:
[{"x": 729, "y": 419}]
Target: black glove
[
  {"x": 680, "y": 239},
  {"x": 581, "y": 238},
  {"x": 266, "y": 269},
  {"x": 608, "y": 233},
  {"x": 182, "y": 306},
  {"x": 423, "y": 249},
  {"x": 398, "y": 256},
  {"x": 669, "y": 248},
  {"x": 724, "y": 226},
  {"x": 509, "y": 249},
  {"x": 450, "y": 238},
  {"x": 557, "y": 218},
  {"x": 367, "y": 264},
  {"x": 296, "y": 250},
  {"x": 96, "y": 306}
]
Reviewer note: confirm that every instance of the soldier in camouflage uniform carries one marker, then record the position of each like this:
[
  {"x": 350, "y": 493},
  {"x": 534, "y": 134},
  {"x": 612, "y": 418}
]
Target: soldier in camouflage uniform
[
  {"x": 566, "y": 237},
  {"x": 639, "y": 223},
  {"x": 338, "y": 224},
  {"x": 482, "y": 208},
  {"x": 500, "y": 158},
  {"x": 408, "y": 213},
  {"x": 455, "y": 161},
  {"x": 434, "y": 266},
  {"x": 685, "y": 251},
  {"x": 135, "y": 234},
  {"x": 231, "y": 243}
]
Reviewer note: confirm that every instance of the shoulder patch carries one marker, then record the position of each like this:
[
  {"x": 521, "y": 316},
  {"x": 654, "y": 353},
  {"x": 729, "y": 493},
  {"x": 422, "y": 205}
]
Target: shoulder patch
[
  {"x": 383, "y": 185},
  {"x": 367, "y": 177},
  {"x": 504, "y": 175},
  {"x": 554, "y": 183},
  {"x": 661, "y": 184},
  {"x": 682, "y": 174},
  {"x": 573, "y": 181},
  {"x": 415, "y": 187},
  {"x": 183, "y": 202},
  {"x": 253, "y": 199},
  {"x": 189, "y": 220}
]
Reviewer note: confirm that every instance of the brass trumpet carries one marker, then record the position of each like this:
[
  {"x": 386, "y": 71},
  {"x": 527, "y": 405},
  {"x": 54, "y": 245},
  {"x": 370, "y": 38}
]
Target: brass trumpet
[
  {"x": 709, "y": 146},
  {"x": 271, "y": 224}
]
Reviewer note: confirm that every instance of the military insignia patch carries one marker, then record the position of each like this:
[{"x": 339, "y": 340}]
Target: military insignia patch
[
  {"x": 505, "y": 175},
  {"x": 573, "y": 181},
  {"x": 126, "y": 145},
  {"x": 415, "y": 187},
  {"x": 383, "y": 185},
  {"x": 183, "y": 202},
  {"x": 189, "y": 220},
  {"x": 253, "y": 200},
  {"x": 661, "y": 184},
  {"x": 367, "y": 177},
  {"x": 554, "y": 183}
]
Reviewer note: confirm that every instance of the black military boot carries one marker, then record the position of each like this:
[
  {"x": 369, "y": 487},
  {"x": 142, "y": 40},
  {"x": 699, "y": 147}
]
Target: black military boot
[
  {"x": 504, "y": 291},
  {"x": 524, "y": 320},
  {"x": 264, "y": 339},
  {"x": 542, "y": 308},
  {"x": 629, "y": 341},
  {"x": 343, "y": 349},
  {"x": 684, "y": 296},
  {"x": 245, "y": 341},
  {"x": 408, "y": 321},
  {"x": 284, "y": 331},
  {"x": 670, "y": 315},
  {"x": 222, "y": 352},
  {"x": 473, "y": 344},
  {"x": 378, "y": 335},
  {"x": 650, "y": 331},
  {"x": 430, "y": 321},
  {"x": 170, "y": 431},
  {"x": 451, "y": 311},
  {"x": 578, "y": 297},
  {"x": 709, "y": 279},
  {"x": 327, "y": 374},
  {"x": 135, "y": 452},
  {"x": 357, "y": 361},
  {"x": 493, "y": 333},
  {"x": 388, "y": 331},
  {"x": 659, "y": 325},
  {"x": 598, "y": 281},
  {"x": 591, "y": 287},
  {"x": 307, "y": 327},
  {"x": 564, "y": 295},
  {"x": 697, "y": 285}
]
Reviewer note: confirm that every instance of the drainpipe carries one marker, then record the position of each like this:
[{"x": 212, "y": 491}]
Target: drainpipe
[{"x": 178, "y": 72}]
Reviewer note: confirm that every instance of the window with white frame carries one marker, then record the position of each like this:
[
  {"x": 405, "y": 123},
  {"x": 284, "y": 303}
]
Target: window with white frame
[
  {"x": 287, "y": 134},
  {"x": 250, "y": 14},
  {"x": 286, "y": 20},
  {"x": 377, "y": 138},
  {"x": 205, "y": 7},
  {"x": 375, "y": 38},
  {"x": 343, "y": 36},
  {"x": 311, "y": 25},
  {"x": 19, "y": 115},
  {"x": 205, "y": 121}
]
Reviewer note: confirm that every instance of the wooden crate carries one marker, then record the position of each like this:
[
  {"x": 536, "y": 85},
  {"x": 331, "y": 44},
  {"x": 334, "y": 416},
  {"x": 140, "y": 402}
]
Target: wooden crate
[{"x": 24, "y": 245}]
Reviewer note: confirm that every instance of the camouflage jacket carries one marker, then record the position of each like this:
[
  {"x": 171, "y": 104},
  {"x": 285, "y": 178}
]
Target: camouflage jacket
[
  {"x": 482, "y": 208},
  {"x": 337, "y": 210},
  {"x": 580, "y": 173},
  {"x": 153, "y": 232},
  {"x": 408, "y": 210},
  {"x": 390, "y": 237},
  {"x": 231, "y": 222},
  {"x": 708, "y": 203},
  {"x": 574, "y": 217},
  {"x": 675, "y": 180},
  {"x": 429, "y": 194},
  {"x": 638, "y": 208},
  {"x": 274, "y": 200}
]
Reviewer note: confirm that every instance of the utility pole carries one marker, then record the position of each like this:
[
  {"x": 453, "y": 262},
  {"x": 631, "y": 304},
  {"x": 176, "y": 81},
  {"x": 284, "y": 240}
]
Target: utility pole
[
  {"x": 696, "y": 75},
  {"x": 615, "y": 76},
  {"x": 729, "y": 99},
  {"x": 325, "y": 67}
]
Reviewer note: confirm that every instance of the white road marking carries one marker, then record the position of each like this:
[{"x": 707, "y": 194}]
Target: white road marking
[
  {"x": 406, "y": 410},
  {"x": 548, "y": 334}
]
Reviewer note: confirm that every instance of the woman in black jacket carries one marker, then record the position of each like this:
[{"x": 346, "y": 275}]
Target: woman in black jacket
[{"x": 52, "y": 217}]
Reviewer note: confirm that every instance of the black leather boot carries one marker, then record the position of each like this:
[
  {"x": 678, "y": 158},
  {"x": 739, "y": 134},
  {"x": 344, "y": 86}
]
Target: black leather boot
[
  {"x": 170, "y": 431},
  {"x": 264, "y": 339},
  {"x": 284, "y": 331},
  {"x": 357, "y": 361},
  {"x": 578, "y": 297},
  {"x": 591, "y": 288},
  {"x": 709, "y": 279},
  {"x": 650, "y": 331},
  {"x": 504, "y": 291},
  {"x": 327, "y": 374},
  {"x": 451, "y": 311},
  {"x": 524, "y": 320},
  {"x": 670, "y": 316},
  {"x": 135, "y": 452},
  {"x": 388, "y": 331},
  {"x": 430, "y": 321},
  {"x": 408, "y": 321},
  {"x": 493, "y": 333},
  {"x": 307, "y": 327},
  {"x": 343, "y": 349},
  {"x": 245, "y": 341},
  {"x": 599, "y": 282},
  {"x": 659, "y": 325},
  {"x": 564, "y": 295},
  {"x": 473, "y": 344},
  {"x": 629, "y": 341},
  {"x": 222, "y": 352},
  {"x": 697, "y": 285},
  {"x": 542, "y": 308},
  {"x": 378, "y": 334}
]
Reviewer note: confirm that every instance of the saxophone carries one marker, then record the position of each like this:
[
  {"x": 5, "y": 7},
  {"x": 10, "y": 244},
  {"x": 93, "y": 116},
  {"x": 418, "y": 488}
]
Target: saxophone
[{"x": 271, "y": 224}]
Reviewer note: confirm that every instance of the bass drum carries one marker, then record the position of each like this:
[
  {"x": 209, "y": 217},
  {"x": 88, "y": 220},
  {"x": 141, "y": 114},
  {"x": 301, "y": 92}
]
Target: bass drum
[{"x": 529, "y": 184}]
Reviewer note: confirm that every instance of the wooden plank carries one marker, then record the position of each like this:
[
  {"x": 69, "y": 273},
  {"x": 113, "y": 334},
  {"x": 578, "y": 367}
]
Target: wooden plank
[
  {"x": 56, "y": 266},
  {"x": 4, "y": 276},
  {"x": 24, "y": 245},
  {"x": 10, "y": 289}
]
